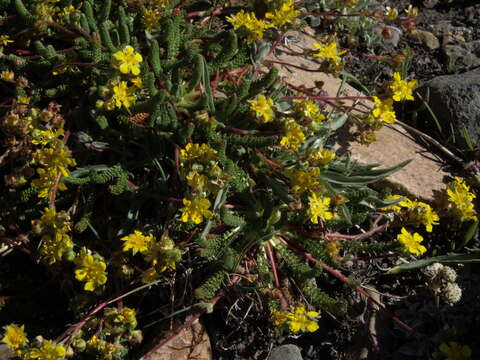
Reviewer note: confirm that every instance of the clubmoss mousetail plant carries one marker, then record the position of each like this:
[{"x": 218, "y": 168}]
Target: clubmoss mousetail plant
[{"x": 146, "y": 153}]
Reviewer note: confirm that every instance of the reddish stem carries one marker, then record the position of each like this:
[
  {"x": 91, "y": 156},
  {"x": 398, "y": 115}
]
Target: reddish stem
[
  {"x": 273, "y": 265},
  {"x": 359, "y": 236},
  {"x": 279, "y": 40},
  {"x": 319, "y": 97},
  {"x": 348, "y": 281},
  {"x": 336, "y": 14}
]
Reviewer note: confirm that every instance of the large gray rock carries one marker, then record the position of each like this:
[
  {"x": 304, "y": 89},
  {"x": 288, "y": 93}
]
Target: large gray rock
[
  {"x": 285, "y": 352},
  {"x": 455, "y": 100}
]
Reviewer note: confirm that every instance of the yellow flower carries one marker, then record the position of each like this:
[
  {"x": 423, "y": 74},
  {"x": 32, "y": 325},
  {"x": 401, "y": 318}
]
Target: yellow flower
[
  {"x": 137, "y": 242},
  {"x": 14, "y": 336},
  {"x": 196, "y": 181},
  {"x": 24, "y": 100},
  {"x": 262, "y": 107},
  {"x": 310, "y": 110},
  {"x": 284, "y": 15},
  {"x": 137, "y": 82},
  {"x": 402, "y": 89},
  {"x": 44, "y": 137},
  {"x": 199, "y": 152},
  {"x": 92, "y": 272},
  {"x": 46, "y": 181},
  {"x": 329, "y": 51},
  {"x": 55, "y": 245},
  {"x": 250, "y": 23},
  {"x": 303, "y": 320},
  {"x": 302, "y": 181},
  {"x": 48, "y": 351},
  {"x": 5, "y": 40},
  {"x": 278, "y": 318},
  {"x": 163, "y": 254},
  {"x": 455, "y": 351},
  {"x": 122, "y": 95},
  {"x": 151, "y": 18},
  {"x": 318, "y": 208},
  {"x": 56, "y": 156},
  {"x": 384, "y": 110},
  {"x": 411, "y": 242},
  {"x": 427, "y": 215},
  {"x": 127, "y": 60},
  {"x": 68, "y": 10},
  {"x": 411, "y": 11},
  {"x": 391, "y": 14},
  {"x": 196, "y": 210},
  {"x": 322, "y": 156},
  {"x": 294, "y": 135},
  {"x": 461, "y": 198},
  {"x": 7, "y": 76}
]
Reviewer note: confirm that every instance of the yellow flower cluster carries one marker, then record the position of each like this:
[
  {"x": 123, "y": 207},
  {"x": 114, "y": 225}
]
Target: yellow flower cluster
[
  {"x": 300, "y": 320},
  {"x": 196, "y": 209},
  {"x": 308, "y": 110},
  {"x": 461, "y": 200},
  {"x": 90, "y": 270},
  {"x": 294, "y": 136},
  {"x": 197, "y": 152},
  {"x": 402, "y": 89},
  {"x": 137, "y": 242},
  {"x": 203, "y": 176},
  {"x": 285, "y": 14},
  {"x": 263, "y": 108},
  {"x": 383, "y": 110},
  {"x": 302, "y": 181},
  {"x": 318, "y": 207},
  {"x": 161, "y": 255},
  {"x": 411, "y": 242},
  {"x": 54, "y": 228},
  {"x": 54, "y": 159},
  {"x": 391, "y": 13},
  {"x": 329, "y": 52},
  {"x": 415, "y": 212},
  {"x": 119, "y": 94},
  {"x": 48, "y": 351},
  {"x": 15, "y": 338},
  {"x": 253, "y": 27},
  {"x": 321, "y": 156},
  {"x": 151, "y": 18}
]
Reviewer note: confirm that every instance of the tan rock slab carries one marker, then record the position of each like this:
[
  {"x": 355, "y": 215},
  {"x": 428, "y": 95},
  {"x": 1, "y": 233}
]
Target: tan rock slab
[
  {"x": 310, "y": 80},
  {"x": 191, "y": 343},
  {"x": 423, "y": 178}
]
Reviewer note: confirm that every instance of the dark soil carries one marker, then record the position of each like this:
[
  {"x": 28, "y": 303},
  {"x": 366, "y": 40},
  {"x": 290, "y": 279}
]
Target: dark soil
[{"x": 463, "y": 19}]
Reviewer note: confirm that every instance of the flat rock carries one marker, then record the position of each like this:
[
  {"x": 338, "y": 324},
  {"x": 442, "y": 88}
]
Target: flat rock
[
  {"x": 426, "y": 38},
  {"x": 312, "y": 80},
  {"x": 286, "y": 352},
  {"x": 423, "y": 178},
  {"x": 455, "y": 100},
  {"x": 191, "y": 343}
]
